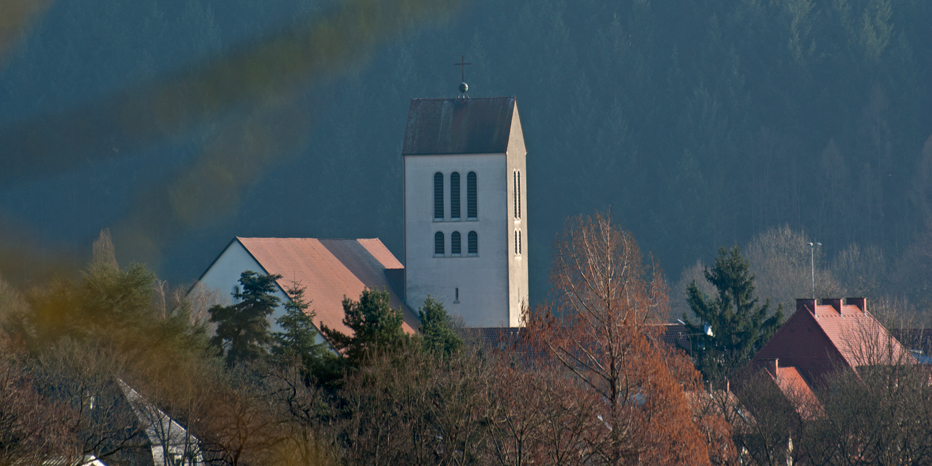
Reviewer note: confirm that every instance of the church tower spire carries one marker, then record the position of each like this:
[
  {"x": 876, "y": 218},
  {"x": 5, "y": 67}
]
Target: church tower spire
[{"x": 466, "y": 208}]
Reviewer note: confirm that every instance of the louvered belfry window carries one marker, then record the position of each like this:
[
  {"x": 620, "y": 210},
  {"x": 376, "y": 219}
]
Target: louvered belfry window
[
  {"x": 473, "y": 243},
  {"x": 455, "y": 195},
  {"x": 471, "y": 205},
  {"x": 456, "y": 243},
  {"x": 438, "y": 196},
  {"x": 439, "y": 249}
]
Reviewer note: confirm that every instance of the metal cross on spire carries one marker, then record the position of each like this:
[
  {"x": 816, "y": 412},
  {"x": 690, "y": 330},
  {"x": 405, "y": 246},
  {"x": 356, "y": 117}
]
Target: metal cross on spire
[{"x": 462, "y": 64}]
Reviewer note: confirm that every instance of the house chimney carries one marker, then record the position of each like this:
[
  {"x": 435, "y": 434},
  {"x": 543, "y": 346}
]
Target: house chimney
[
  {"x": 834, "y": 302},
  {"x": 861, "y": 303},
  {"x": 806, "y": 303},
  {"x": 773, "y": 366}
]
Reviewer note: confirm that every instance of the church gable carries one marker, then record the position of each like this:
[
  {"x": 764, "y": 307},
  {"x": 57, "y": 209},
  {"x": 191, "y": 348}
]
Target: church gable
[
  {"x": 329, "y": 269},
  {"x": 459, "y": 126}
]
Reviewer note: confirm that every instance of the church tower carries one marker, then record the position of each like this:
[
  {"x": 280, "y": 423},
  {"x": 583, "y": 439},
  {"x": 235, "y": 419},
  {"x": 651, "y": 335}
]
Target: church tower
[{"x": 465, "y": 203}]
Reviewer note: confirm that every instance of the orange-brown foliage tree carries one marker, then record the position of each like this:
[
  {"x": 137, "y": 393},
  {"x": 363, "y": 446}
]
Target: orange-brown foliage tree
[{"x": 599, "y": 330}]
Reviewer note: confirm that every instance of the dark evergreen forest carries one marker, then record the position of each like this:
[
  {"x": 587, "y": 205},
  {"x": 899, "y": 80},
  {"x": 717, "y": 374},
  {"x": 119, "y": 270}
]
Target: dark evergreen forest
[{"x": 699, "y": 123}]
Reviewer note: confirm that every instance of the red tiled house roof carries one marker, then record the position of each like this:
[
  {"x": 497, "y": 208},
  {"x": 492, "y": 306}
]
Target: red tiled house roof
[{"x": 822, "y": 336}]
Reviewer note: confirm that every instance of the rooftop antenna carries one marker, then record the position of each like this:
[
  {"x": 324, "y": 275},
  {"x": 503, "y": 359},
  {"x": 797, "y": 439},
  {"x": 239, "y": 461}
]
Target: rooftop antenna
[
  {"x": 812, "y": 264},
  {"x": 463, "y": 86}
]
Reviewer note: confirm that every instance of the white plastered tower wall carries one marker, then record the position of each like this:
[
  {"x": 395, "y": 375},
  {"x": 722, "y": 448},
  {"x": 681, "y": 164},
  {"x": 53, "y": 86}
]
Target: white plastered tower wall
[
  {"x": 516, "y": 158},
  {"x": 489, "y": 288}
]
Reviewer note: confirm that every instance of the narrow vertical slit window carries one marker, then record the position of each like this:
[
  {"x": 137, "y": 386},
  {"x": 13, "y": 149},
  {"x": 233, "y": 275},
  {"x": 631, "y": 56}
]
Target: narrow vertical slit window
[
  {"x": 438, "y": 196},
  {"x": 473, "y": 243},
  {"x": 516, "y": 242},
  {"x": 520, "y": 246},
  {"x": 439, "y": 249},
  {"x": 456, "y": 244},
  {"x": 455, "y": 195},
  {"x": 471, "y": 205},
  {"x": 518, "y": 196},
  {"x": 456, "y": 299},
  {"x": 514, "y": 192}
]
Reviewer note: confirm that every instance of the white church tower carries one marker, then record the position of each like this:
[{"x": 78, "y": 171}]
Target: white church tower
[{"x": 465, "y": 202}]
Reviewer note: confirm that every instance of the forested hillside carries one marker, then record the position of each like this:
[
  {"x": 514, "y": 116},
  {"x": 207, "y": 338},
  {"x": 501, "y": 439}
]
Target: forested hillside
[{"x": 699, "y": 123}]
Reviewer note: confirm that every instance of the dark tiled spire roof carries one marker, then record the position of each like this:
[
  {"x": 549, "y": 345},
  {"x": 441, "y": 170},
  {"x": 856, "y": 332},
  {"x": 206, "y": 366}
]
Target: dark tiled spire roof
[{"x": 459, "y": 126}]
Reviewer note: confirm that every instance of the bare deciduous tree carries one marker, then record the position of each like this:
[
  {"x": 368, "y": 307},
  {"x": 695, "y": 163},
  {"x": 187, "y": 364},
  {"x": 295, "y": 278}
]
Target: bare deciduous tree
[
  {"x": 605, "y": 299},
  {"x": 31, "y": 427},
  {"x": 782, "y": 264},
  {"x": 83, "y": 378},
  {"x": 412, "y": 408}
]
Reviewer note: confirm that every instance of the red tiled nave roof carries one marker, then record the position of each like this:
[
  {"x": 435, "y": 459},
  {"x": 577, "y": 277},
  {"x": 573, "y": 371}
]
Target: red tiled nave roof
[{"x": 330, "y": 269}]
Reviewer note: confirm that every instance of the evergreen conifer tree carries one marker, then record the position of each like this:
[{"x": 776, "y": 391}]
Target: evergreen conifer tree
[
  {"x": 297, "y": 342},
  {"x": 437, "y": 334},
  {"x": 739, "y": 325},
  {"x": 243, "y": 328},
  {"x": 376, "y": 327}
]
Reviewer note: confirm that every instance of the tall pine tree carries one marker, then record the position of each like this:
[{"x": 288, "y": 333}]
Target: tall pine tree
[
  {"x": 243, "y": 328},
  {"x": 297, "y": 342},
  {"x": 739, "y": 325}
]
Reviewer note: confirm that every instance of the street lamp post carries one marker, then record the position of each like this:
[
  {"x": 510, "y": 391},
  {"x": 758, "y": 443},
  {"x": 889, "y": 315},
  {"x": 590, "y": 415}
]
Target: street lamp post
[{"x": 812, "y": 264}]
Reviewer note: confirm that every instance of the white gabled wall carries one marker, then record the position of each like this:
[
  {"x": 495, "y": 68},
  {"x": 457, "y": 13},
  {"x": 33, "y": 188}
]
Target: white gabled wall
[{"x": 225, "y": 273}]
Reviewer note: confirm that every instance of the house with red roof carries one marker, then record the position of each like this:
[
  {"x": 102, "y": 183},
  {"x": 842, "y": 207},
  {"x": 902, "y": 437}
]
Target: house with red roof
[{"x": 823, "y": 336}]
